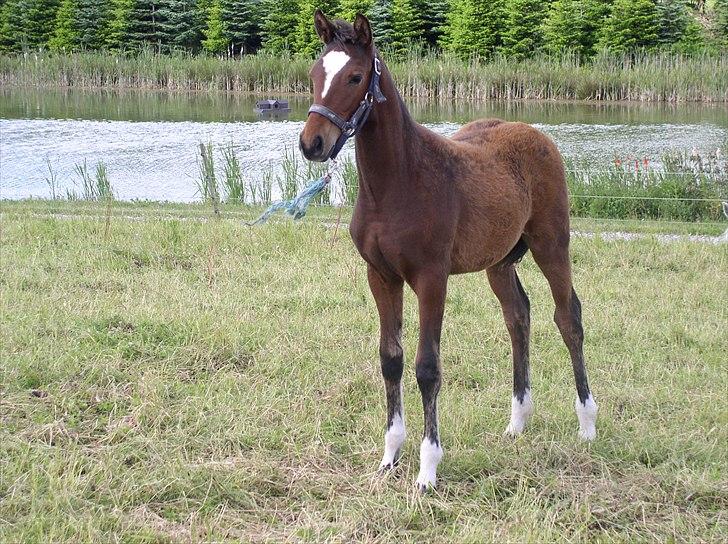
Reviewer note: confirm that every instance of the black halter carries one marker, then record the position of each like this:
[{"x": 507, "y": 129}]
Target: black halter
[{"x": 359, "y": 117}]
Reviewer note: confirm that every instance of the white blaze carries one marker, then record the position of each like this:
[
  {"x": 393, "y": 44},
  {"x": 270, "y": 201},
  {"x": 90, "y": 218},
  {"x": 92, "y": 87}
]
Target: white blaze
[{"x": 334, "y": 61}]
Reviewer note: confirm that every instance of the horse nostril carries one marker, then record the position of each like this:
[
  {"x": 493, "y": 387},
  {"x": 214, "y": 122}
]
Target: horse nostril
[{"x": 318, "y": 145}]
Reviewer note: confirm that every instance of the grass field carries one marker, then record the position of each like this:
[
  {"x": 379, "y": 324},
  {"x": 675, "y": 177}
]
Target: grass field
[{"x": 167, "y": 380}]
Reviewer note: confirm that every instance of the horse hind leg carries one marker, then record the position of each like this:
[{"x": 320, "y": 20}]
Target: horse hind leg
[
  {"x": 516, "y": 311},
  {"x": 552, "y": 257}
]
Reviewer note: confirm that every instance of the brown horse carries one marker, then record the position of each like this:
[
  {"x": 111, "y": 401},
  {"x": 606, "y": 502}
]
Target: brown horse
[{"x": 431, "y": 206}]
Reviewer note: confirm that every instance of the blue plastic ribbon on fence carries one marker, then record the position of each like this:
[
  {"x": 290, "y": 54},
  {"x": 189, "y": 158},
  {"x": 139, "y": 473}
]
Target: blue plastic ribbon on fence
[{"x": 297, "y": 206}]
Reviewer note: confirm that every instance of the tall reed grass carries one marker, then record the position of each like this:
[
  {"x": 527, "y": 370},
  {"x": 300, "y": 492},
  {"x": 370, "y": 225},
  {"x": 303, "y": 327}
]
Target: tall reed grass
[
  {"x": 93, "y": 186},
  {"x": 645, "y": 77}
]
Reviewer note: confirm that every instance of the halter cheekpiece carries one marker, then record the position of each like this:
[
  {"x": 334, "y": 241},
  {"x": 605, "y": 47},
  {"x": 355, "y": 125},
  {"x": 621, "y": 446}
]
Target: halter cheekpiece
[{"x": 354, "y": 124}]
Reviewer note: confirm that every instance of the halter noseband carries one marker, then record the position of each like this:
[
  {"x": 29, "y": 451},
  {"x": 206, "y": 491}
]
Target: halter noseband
[{"x": 358, "y": 118}]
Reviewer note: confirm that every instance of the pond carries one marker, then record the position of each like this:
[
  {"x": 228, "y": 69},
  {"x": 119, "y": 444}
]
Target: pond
[{"x": 149, "y": 141}]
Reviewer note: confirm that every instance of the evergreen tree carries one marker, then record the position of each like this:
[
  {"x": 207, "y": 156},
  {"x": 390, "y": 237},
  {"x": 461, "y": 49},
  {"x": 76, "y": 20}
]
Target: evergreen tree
[
  {"x": 720, "y": 22},
  {"x": 596, "y": 13},
  {"x": 632, "y": 24},
  {"x": 349, "y": 8},
  {"x": 278, "y": 28},
  {"x": 180, "y": 24},
  {"x": 117, "y": 30},
  {"x": 242, "y": 22},
  {"x": 692, "y": 39},
  {"x": 13, "y": 36},
  {"x": 474, "y": 27},
  {"x": 407, "y": 25},
  {"x": 307, "y": 41},
  {"x": 524, "y": 28},
  {"x": 145, "y": 24},
  {"x": 381, "y": 22},
  {"x": 564, "y": 27},
  {"x": 39, "y": 20},
  {"x": 92, "y": 22},
  {"x": 65, "y": 35},
  {"x": 215, "y": 40},
  {"x": 674, "y": 16},
  {"x": 574, "y": 25},
  {"x": 434, "y": 19}
]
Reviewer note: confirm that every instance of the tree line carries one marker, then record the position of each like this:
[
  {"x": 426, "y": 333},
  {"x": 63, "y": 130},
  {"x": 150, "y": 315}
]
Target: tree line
[{"x": 514, "y": 28}]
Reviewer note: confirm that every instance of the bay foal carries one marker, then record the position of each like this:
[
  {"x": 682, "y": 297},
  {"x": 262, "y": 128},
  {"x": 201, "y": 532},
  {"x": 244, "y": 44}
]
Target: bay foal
[{"x": 431, "y": 206}]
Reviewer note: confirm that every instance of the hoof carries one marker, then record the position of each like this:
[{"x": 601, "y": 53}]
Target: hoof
[
  {"x": 513, "y": 430},
  {"x": 389, "y": 466},
  {"x": 588, "y": 434},
  {"x": 424, "y": 484}
]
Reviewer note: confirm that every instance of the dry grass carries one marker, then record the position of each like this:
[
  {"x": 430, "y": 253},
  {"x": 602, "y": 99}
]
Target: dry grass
[{"x": 187, "y": 381}]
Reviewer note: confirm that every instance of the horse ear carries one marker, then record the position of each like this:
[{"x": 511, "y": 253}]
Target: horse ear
[
  {"x": 324, "y": 28},
  {"x": 363, "y": 30}
]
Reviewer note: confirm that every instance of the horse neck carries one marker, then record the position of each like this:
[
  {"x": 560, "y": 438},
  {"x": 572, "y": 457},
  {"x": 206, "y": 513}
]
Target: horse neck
[{"x": 387, "y": 146}]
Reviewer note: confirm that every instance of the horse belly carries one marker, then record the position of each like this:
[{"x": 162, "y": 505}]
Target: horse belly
[{"x": 480, "y": 244}]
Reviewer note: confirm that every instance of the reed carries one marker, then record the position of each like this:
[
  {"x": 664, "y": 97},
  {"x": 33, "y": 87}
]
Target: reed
[
  {"x": 432, "y": 75},
  {"x": 207, "y": 183},
  {"x": 51, "y": 179},
  {"x": 96, "y": 186},
  {"x": 233, "y": 182}
]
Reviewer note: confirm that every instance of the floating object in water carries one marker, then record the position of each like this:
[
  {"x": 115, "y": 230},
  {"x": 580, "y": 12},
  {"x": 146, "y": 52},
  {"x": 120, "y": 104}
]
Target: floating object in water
[{"x": 272, "y": 108}]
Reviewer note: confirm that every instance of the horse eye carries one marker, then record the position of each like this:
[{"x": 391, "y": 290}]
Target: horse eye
[{"x": 355, "y": 80}]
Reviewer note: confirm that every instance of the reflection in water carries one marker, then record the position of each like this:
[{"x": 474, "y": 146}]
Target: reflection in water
[
  {"x": 149, "y": 141},
  {"x": 132, "y": 105}
]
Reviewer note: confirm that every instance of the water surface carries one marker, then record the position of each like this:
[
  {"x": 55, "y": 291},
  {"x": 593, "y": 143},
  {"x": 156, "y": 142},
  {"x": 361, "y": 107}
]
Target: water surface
[{"x": 149, "y": 140}]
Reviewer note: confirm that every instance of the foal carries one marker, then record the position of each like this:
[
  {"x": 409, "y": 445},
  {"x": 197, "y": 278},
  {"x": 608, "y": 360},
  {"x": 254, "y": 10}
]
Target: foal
[{"x": 428, "y": 207}]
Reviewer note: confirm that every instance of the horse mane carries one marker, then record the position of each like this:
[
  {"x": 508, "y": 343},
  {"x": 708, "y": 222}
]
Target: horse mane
[{"x": 344, "y": 32}]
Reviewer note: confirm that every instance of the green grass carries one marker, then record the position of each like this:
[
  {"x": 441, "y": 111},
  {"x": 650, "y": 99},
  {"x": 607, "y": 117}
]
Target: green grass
[
  {"x": 646, "y": 77},
  {"x": 235, "y": 212},
  {"x": 183, "y": 381}
]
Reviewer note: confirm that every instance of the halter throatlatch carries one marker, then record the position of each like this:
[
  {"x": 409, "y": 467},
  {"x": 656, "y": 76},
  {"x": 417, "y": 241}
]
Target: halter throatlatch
[{"x": 359, "y": 117}]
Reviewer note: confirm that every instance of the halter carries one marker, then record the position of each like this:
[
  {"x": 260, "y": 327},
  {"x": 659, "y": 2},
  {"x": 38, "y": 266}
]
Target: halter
[{"x": 359, "y": 117}]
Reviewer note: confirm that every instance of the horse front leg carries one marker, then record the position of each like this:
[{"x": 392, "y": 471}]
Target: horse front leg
[
  {"x": 430, "y": 290},
  {"x": 387, "y": 293}
]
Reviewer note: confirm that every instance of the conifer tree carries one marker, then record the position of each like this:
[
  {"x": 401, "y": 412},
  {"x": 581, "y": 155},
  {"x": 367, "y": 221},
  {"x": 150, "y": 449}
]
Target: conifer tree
[
  {"x": 434, "y": 19},
  {"x": 215, "y": 40},
  {"x": 12, "y": 28},
  {"x": 674, "y": 17},
  {"x": 39, "y": 17},
  {"x": 381, "y": 21},
  {"x": 523, "y": 28},
  {"x": 65, "y": 35},
  {"x": 92, "y": 22},
  {"x": 145, "y": 24},
  {"x": 632, "y": 24},
  {"x": 720, "y": 22},
  {"x": 242, "y": 22},
  {"x": 474, "y": 27},
  {"x": 349, "y": 8},
  {"x": 307, "y": 41},
  {"x": 564, "y": 27},
  {"x": 692, "y": 39},
  {"x": 180, "y": 24},
  {"x": 279, "y": 23},
  {"x": 117, "y": 31},
  {"x": 407, "y": 25}
]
